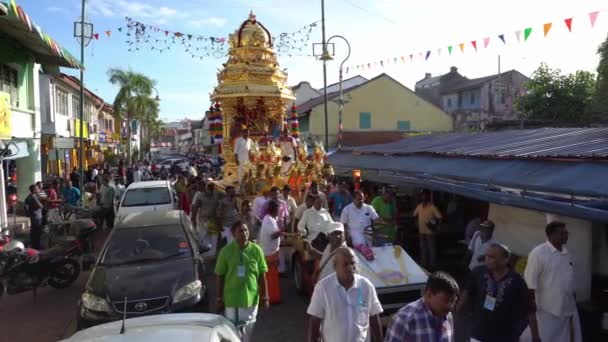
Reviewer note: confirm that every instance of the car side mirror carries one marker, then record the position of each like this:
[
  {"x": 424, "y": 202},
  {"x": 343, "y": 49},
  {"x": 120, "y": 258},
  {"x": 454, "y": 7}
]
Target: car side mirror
[{"x": 204, "y": 248}]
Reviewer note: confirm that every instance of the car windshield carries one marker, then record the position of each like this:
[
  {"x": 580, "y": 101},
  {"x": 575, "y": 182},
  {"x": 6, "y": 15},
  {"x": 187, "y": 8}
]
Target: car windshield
[
  {"x": 146, "y": 196},
  {"x": 146, "y": 244}
]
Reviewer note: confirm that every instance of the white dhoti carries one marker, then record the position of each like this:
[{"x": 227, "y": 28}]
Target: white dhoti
[
  {"x": 242, "y": 169},
  {"x": 555, "y": 329},
  {"x": 244, "y": 320}
]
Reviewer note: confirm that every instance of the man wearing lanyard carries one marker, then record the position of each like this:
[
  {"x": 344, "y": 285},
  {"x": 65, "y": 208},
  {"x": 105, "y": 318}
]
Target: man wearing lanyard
[
  {"x": 344, "y": 305},
  {"x": 240, "y": 271},
  {"x": 499, "y": 298},
  {"x": 355, "y": 217}
]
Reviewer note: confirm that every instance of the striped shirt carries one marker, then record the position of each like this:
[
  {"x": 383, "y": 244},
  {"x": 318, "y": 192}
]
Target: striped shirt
[{"x": 416, "y": 323}]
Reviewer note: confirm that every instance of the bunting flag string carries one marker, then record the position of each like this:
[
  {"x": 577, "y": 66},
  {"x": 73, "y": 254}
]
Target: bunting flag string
[{"x": 527, "y": 34}]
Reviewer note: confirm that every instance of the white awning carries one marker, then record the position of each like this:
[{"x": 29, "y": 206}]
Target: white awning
[{"x": 18, "y": 149}]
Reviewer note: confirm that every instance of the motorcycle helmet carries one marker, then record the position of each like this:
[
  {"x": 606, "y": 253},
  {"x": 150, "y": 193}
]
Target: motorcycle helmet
[{"x": 14, "y": 245}]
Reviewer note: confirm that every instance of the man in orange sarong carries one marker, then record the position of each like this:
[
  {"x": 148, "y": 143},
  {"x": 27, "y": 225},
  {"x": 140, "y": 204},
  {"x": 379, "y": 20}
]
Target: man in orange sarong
[{"x": 270, "y": 241}]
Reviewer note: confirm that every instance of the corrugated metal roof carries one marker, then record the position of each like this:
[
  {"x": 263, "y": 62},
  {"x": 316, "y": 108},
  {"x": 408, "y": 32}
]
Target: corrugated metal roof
[{"x": 561, "y": 143}]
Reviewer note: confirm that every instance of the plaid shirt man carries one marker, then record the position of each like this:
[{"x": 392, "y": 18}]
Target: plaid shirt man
[{"x": 416, "y": 323}]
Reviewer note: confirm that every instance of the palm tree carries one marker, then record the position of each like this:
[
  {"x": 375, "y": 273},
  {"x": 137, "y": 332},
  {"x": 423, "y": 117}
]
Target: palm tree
[
  {"x": 149, "y": 109},
  {"x": 132, "y": 85}
]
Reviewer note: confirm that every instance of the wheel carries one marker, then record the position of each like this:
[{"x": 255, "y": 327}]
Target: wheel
[
  {"x": 298, "y": 278},
  {"x": 65, "y": 274}
]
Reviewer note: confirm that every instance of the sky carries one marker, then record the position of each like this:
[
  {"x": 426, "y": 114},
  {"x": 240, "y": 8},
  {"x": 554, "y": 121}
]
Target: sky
[{"x": 376, "y": 29}]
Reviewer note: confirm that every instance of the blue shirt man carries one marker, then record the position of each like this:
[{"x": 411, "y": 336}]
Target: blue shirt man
[
  {"x": 339, "y": 200},
  {"x": 71, "y": 195}
]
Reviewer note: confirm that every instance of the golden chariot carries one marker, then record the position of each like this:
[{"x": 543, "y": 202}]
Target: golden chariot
[{"x": 252, "y": 93}]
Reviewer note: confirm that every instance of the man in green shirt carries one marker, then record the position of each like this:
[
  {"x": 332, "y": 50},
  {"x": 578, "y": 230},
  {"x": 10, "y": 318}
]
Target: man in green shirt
[
  {"x": 240, "y": 271},
  {"x": 387, "y": 210}
]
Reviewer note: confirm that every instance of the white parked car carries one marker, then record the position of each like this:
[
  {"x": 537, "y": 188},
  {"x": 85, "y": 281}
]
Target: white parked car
[
  {"x": 185, "y": 327},
  {"x": 148, "y": 196}
]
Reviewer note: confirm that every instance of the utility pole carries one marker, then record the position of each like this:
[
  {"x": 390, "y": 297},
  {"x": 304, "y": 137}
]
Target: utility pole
[
  {"x": 79, "y": 32},
  {"x": 324, "y": 74}
]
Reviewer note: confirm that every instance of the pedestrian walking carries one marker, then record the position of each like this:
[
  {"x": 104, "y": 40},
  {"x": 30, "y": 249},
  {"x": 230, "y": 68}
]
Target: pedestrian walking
[
  {"x": 428, "y": 223},
  {"x": 429, "y": 318},
  {"x": 499, "y": 298},
  {"x": 228, "y": 213},
  {"x": 106, "y": 203},
  {"x": 240, "y": 280},
  {"x": 53, "y": 202},
  {"x": 270, "y": 241},
  {"x": 33, "y": 207},
  {"x": 480, "y": 242},
  {"x": 204, "y": 215},
  {"x": 344, "y": 305},
  {"x": 550, "y": 277},
  {"x": 251, "y": 220}
]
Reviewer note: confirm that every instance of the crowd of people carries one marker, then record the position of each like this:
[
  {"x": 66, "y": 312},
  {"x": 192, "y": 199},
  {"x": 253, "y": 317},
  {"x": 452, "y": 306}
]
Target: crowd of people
[{"x": 246, "y": 239}]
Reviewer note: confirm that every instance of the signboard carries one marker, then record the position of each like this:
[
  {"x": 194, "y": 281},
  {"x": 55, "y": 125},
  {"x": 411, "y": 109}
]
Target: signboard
[
  {"x": 5, "y": 116},
  {"x": 102, "y": 137},
  {"x": 63, "y": 143},
  {"x": 85, "y": 128}
]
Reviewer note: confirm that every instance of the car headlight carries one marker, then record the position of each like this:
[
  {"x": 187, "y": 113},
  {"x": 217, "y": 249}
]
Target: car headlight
[
  {"x": 188, "y": 291},
  {"x": 94, "y": 303}
]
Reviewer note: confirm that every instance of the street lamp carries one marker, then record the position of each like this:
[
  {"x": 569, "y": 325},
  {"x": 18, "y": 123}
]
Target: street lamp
[
  {"x": 324, "y": 59},
  {"x": 326, "y": 56},
  {"x": 83, "y": 31}
]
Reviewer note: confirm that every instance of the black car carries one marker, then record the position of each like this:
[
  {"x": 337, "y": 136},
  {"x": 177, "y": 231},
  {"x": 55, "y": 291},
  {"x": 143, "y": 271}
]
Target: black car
[{"x": 151, "y": 263}]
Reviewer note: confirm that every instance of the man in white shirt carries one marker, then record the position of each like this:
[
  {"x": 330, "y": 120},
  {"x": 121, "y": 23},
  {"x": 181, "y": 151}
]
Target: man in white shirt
[
  {"x": 480, "y": 242},
  {"x": 314, "y": 220},
  {"x": 259, "y": 203},
  {"x": 355, "y": 217},
  {"x": 242, "y": 145},
  {"x": 344, "y": 305},
  {"x": 308, "y": 202},
  {"x": 550, "y": 277}
]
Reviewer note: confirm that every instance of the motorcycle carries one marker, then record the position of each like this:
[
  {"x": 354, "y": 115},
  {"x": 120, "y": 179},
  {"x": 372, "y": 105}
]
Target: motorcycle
[
  {"x": 27, "y": 269},
  {"x": 74, "y": 235}
]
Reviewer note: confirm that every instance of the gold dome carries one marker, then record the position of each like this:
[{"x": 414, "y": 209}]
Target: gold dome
[{"x": 251, "y": 34}]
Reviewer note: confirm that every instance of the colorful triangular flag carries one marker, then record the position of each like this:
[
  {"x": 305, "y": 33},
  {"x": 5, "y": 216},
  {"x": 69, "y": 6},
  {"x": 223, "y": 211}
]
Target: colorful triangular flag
[
  {"x": 411, "y": 57},
  {"x": 96, "y": 36},
  {"x": 403, "y": 59},
  {"x": 546, "y": 28},
  {"x": 428, "y": 54},
  {"x": 527, "y": 33},
  {"x": 486, "y": 42},
  {"x": 474, "y": 43},
  {"x": 108, "y": 33},
  {"x": 518, "y": 35},
  {"x": 568, "y": 23},
  {"x": 593, "y": 17},
  {"x": 461, "y": 45},
  {"x": 502, "y": 37},
  {"x": 450, "y": 49}
]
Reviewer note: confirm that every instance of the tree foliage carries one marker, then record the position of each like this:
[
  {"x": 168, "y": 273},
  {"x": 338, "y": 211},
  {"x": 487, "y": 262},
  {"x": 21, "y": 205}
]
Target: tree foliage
[
  {"x": 600, "y": 103},
  {"x": 133, "y": 100},
  {"x": 552, "y": 96}
]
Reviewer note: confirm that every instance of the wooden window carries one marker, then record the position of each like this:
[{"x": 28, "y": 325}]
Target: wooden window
[
  {"x": 365, "y": 120},
  {"x": 61, "y": 101},
  {"x": 9, "y": 83}
]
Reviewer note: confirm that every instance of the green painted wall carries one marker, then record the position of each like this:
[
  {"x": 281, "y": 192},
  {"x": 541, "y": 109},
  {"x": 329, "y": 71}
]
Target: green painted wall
[{"x": 13, "y": 54}]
